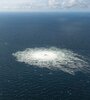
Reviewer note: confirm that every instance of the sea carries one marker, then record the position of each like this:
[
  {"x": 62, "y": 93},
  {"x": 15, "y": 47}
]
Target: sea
[{"x": 21, "y": 30}]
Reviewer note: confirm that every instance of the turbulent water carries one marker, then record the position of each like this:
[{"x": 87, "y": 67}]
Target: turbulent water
[
  {"x": 45, "y": 56},
  {"x": 53, "y": 58}
]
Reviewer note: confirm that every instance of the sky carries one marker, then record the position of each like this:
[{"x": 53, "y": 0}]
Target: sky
[{"x": 29, "y": 5}]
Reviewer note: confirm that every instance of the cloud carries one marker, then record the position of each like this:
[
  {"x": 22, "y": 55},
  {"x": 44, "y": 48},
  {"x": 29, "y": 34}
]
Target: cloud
[
  {"x": 21, "y": 4},
  {"x": 43, "y": 4},
  {"x": 69, "y": 3}
]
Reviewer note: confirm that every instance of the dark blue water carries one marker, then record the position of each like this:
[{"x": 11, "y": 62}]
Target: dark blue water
[{"x": 18, "y": 31}]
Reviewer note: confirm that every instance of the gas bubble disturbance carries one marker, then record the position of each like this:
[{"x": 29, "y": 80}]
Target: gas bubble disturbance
[{"x": 53, "y": 58}]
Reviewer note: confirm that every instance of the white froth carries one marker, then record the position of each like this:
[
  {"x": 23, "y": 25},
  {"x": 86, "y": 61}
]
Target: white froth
[
  {"x": 53, "y": 58},
  {"x": 44, "y": 55}
]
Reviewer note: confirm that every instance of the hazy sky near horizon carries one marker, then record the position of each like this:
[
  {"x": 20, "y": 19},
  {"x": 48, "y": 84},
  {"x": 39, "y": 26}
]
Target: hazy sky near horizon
[{"x": 28, "y": 5}]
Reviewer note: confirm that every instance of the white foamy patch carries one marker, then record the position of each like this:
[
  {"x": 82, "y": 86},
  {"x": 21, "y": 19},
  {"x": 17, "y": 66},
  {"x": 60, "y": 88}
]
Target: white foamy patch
[{"x": 53, "y": 58}]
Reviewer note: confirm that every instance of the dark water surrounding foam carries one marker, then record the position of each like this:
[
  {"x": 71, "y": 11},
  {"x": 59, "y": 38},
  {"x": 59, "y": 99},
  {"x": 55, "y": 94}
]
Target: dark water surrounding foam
[{"x": 19, "y": 31}]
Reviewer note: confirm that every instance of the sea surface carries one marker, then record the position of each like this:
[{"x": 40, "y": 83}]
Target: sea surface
[{"x": 66, "y": 30}]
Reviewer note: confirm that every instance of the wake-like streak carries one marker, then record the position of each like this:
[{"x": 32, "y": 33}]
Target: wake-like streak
[{"x": 53, "y": 58}]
